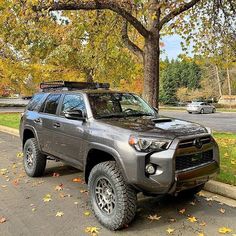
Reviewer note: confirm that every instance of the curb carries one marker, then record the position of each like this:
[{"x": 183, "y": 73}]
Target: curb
[
  {"x": 212, "y": 186},
  {"x": 9, "y": 130},
  {"x": 222, "y": 189}
]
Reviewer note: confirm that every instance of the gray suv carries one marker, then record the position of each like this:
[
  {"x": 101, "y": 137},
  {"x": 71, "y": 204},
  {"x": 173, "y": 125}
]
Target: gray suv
[{"x": 120, "y": 142}]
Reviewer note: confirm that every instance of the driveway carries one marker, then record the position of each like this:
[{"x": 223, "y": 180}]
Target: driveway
[
  {"x": 219, "y": 121},
  {"x": 26, "y": 213}
]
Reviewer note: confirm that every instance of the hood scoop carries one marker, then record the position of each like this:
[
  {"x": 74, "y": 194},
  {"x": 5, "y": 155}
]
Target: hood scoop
[{"x": 161, "y": 120}]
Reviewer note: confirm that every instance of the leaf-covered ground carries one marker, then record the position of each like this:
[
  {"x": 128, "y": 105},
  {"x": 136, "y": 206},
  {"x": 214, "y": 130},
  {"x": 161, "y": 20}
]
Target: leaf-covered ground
[{"x": 57, "y": 204}]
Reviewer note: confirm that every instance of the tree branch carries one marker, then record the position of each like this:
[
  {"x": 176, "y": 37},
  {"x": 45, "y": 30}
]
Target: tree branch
[
  {"x": 178, "y": 11},
  {"x": 128, "y": 43},
  {"x": 95, "y": 5}
]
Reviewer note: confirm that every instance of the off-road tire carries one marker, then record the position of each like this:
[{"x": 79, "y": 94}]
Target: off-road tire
[
  {"x": 125, "y": 196},
  {"x": 38, "y": 159}
]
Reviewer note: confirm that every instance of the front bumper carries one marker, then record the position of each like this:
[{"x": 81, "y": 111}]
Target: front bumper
[{"x": 166, "y": 179}]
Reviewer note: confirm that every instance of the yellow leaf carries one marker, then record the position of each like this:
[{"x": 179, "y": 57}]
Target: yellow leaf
[
  {"x": 202, "y": 223},
  {"x": 47, "y": 198},
  {"x": 201, "y": 234},
  {"x": 233, "y": 162},
  {"x": 154, "y": 217},
  {"x": 170, "y": 231},
  {"x": 87, "y": 213},
  {"x": 92, "y": 230},
  {"x": 20, "y": 154},
  {"x": 60, "y": 213},
  {"x": 33, "y": 209},
  {"x": 224, "y": 230},
  {"x": 192, "y": 219}
]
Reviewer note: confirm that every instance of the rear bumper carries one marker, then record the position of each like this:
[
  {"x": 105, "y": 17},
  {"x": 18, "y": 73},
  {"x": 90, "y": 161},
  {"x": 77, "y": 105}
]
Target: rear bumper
[{"x": 166, "y": 179}]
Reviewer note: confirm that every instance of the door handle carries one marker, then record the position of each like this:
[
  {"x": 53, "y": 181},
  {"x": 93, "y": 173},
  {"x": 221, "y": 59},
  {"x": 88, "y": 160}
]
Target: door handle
[
  {"x": 56, "y": 125},
  {"x": 38, "y": 120}
]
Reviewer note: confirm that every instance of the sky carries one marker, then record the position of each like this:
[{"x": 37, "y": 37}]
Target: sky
[{"x": 172, "y": 47}]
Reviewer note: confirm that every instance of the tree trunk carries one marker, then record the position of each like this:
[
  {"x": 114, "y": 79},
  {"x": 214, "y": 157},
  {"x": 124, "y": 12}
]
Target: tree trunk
[
  {"x": 151, "y": 70},
  {"x": 229, "y": 86},
  {"x": 218, "y": 80},
  {"x": 89, "y": 75}
]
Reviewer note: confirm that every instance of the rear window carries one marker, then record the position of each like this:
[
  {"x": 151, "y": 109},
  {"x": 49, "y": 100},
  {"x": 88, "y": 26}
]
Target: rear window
[
  {"x": 51, "y": 104},
  {"x": 35, "y": 102}
]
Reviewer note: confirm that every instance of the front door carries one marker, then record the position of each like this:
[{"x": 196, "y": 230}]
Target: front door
[{"x": 70, "y": 136}]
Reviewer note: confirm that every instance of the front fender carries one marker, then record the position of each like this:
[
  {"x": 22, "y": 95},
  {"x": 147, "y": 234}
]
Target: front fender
[{"x": 109, "y": 150}]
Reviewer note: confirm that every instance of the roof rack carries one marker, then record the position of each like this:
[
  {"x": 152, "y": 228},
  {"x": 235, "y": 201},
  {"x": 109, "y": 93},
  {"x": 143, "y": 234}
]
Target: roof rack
[{"x": 71, "y": 85}]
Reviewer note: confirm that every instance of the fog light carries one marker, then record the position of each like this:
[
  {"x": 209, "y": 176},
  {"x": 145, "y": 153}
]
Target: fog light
[{"x": 150, "y": 169}]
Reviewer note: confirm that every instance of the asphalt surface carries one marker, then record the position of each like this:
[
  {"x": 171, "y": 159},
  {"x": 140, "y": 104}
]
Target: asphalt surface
[
  {"x": 14, "y": 101},
  {"x": 21, "y": 203},
  {"x": 219, "y": 121}
]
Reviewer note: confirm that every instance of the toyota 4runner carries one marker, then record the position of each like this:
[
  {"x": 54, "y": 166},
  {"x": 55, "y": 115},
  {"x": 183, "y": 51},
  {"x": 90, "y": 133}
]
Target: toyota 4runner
[{"x": 119, "y": 141}]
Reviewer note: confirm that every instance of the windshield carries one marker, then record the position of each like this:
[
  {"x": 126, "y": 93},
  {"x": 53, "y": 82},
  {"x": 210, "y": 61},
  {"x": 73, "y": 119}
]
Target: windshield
[{"x": 109, "y": 105}]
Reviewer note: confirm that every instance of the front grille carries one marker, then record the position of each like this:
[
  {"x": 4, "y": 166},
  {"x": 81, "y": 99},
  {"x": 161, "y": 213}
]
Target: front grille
[
  {"x": 189, "y": 161},
  {"x": 190, "y": 142}
]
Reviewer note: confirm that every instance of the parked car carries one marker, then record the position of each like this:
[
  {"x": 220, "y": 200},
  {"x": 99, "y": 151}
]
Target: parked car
[
  {"x": 200, "y": 107},
  {"x": 121, "y": 143}
]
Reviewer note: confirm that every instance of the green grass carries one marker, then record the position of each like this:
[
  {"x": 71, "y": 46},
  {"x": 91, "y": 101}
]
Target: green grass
[
  {"x": 226, "y": 142},
  {"x": 227, "y": 145},
  {"x": 11, "y": 120}
]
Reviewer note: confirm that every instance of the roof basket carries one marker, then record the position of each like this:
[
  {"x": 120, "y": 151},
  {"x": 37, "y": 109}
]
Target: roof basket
[{"x": 71, "y": 85}]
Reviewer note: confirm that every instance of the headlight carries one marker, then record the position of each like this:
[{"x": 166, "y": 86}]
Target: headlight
[{"x": 143, "y": 144}]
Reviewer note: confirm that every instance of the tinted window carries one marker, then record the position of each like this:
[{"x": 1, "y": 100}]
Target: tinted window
[
  {"x": 35, "y": 102},
  {"x": 51, "y": 104},
  {"x": 73, "y": 102}
]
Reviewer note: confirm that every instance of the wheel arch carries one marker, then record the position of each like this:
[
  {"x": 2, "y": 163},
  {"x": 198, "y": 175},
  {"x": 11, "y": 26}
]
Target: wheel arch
[
  {"x": 29, "y": 132},
  {"x": 100, "y": 154}
]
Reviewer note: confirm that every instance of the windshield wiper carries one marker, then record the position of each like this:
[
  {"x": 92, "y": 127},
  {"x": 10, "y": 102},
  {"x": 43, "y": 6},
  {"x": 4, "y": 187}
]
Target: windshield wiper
[
  {"x": 120, "y": 115},
  {"x": 140, "y": 114}
]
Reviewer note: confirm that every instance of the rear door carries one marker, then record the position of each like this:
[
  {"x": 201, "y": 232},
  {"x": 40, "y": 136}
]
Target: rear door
[
  {"x": 70, "y": 137},
  {"x": 48, "y": 120}
]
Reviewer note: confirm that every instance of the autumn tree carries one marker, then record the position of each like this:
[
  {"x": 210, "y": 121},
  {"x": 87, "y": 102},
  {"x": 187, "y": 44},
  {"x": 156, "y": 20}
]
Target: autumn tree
[{"x": 147, "y": 17}]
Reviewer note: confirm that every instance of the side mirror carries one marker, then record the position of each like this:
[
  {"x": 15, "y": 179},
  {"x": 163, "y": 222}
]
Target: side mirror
[{"x": 75, "y": 115}]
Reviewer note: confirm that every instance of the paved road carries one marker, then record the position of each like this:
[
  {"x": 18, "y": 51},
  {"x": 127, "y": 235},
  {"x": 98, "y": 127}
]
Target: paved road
[
  {"x": 219, "y": 121},
  {"x": 20, "y": 194},
  {"x": 14, "y": 101}
]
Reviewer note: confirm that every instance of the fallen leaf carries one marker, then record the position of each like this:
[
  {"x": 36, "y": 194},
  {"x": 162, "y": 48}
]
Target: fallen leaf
[
  {"x": 4, "y": 186},
  {"x": 92, "y": 230},
  {"x": 224, "y": 230},
  {"x": 55, "y": 174},
  {"x": 59, "y": 187},
  {"x": 172, "y": 220},
  {"x": 20, "y": 155},
  {"x": 192, "y": 203},
  {"x": 182, "y": 211},
  {"x": 202, "y": 223},
  {"x": 76, "y": 203},
  {"x": 209, "y": 199},
  {"x": 226, "y": 155},
  {"x": 201, "y": 234},
  {"x": 87, "y": 213},
  {"x": 83, "y": 191},
  {"x": 222, "y": 210},
  {"x": 192, "y": 219},
  {"x": 15, "y": 182},
  {"x": 60, "y": 214},
  {"x": 2, "y": 219},
  {"x": 47, "y": 198},
  {"x": 154, "y": 217},
  {"x": 170, "y": 231},
  {"x": 201, "y": 194},
  {"x": 33, "y": 209},
  {"x": 77, "y": 180}
]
